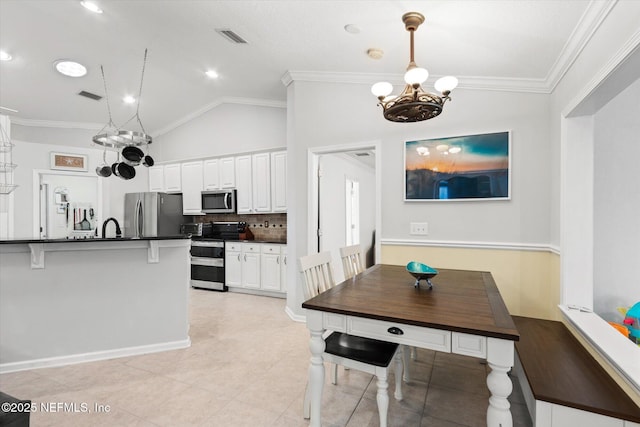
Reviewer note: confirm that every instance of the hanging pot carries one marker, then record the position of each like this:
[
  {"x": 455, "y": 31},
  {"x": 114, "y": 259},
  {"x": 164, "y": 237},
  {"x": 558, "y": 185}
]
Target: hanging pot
[
  {"x": 132, "y": 155},
  {"x": 104, "y": 170},
  {"x": 123, "y": 170},
  {"x": 148, "y": 161}
]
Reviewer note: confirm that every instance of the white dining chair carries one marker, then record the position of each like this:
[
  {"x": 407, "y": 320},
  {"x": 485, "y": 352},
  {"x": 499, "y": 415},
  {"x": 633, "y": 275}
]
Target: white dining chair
[
  {"x": 353, "y": 263},
  {"x": 352, "y": 260},
  {"x": 364, "y": 354}
]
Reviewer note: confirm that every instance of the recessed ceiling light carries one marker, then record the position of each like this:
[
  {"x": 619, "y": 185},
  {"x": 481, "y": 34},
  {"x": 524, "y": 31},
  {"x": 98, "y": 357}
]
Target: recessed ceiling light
[
  {"x": 212, "y": 74},
  {"x": 70, "y": 68},
  {"x": 4, "y": 56},
  {"x": 89, "y": 5},
  {"x": 129, "y": 99},
  {"x": 352, "y": 29}
]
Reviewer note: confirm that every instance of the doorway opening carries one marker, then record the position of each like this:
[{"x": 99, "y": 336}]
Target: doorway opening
[
  {"x": 66, "y": 205},
  {"x": 344, "y": 201}
]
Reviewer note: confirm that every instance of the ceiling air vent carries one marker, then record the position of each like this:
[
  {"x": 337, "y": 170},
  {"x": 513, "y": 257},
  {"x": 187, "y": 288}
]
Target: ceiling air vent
[
  {"x": 231, "y": 36},
  {"x": 90, "y": 95}
]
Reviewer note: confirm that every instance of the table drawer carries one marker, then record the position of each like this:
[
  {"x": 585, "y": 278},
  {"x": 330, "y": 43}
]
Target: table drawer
[
  {"x": 434, "y": 339},
  {"x": 334, "y": 322},
  {"x": 469, "y": 345}
]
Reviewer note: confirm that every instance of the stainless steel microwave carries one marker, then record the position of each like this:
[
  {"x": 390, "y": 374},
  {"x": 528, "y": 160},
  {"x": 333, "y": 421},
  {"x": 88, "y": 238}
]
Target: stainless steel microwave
[{"x": 219, "y": 201}]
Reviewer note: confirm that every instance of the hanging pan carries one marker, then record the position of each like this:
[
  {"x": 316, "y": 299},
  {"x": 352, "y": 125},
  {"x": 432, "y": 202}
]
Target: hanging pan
[
  {"x": 132, "y": 155},
  {"x": 104, "y": 170},
  {"x": 123, "y": 170}
]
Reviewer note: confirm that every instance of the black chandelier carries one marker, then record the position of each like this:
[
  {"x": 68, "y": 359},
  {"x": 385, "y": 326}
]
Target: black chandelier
[{"x": 413, "y": 104}]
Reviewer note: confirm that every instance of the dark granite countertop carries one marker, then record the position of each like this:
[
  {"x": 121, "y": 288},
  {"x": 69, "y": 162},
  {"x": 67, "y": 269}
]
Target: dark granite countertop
[{"x": 97, "y": 239}]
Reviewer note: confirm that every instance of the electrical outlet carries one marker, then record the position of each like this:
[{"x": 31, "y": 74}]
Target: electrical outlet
[{"x": 419, "y": 228}]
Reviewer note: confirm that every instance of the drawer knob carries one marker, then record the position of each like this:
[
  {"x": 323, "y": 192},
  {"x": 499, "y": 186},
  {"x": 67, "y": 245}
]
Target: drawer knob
[{"x": 395, "y": 331}]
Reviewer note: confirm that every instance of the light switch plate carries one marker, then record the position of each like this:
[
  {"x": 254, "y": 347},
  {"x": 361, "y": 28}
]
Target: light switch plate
[{"x": 419, "y": 228}]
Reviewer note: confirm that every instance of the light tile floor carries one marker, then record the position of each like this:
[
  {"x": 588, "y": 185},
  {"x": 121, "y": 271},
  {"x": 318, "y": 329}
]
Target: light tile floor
[{"x": 247, "y": 366}]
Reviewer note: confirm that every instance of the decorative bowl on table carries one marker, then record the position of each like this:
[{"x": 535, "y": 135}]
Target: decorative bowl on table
[{"x": 421, "y": 272}]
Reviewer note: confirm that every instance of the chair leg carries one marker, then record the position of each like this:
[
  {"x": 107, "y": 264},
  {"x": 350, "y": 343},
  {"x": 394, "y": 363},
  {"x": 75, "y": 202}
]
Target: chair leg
[
  {"x": 382, "y": 397},
  {"x": 406, "y": 376},
  {"x": 334, "y": 374},
  {"x": 306, "y": 405},
  {"x": 398, "y": 374}
]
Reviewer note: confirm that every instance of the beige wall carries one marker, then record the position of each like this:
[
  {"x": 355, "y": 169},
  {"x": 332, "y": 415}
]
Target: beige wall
[{"x": 529, "y": 281}]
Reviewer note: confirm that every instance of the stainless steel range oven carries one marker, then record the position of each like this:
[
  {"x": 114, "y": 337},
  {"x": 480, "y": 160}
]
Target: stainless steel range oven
[{"x": 207, "y": 264}]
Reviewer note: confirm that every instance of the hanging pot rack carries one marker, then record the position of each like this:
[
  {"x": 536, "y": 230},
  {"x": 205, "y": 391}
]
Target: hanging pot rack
[{"x": 112, "y": 136}]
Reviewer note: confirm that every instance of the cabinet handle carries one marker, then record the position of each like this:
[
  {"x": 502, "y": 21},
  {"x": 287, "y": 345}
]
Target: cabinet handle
[
  {"x": 245, "y": 257},
  {"x": 277, "y": 260},
  {"x": 285, "y": 260},
  {"x": 395, "y": 331},
  {"x": 238, "y": 257}
]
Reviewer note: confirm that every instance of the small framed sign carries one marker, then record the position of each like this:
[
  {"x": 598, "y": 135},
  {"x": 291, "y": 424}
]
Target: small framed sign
[{"x": 69, "y": 162}]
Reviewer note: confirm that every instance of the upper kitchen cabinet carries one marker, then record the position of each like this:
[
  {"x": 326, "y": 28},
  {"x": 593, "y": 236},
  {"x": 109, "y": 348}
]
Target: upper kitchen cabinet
[
  {"x": 192, "y": 185},
  {"x": 261, "y": 179},
  {"x": 172, "y": 178},
  {"x": 244, "y": 196},
  {"x": 279, "y": 181},
  {"x": 211, "y": 174},
  {"x": 228, "y": 172},
  {"x": 219, "y": 173},
  {"x": 156, "y": 178}
]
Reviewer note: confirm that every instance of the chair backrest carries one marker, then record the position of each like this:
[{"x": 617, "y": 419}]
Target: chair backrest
[
  {"x": 317, "y": 272},
  {"x": 352, "y": 260}
]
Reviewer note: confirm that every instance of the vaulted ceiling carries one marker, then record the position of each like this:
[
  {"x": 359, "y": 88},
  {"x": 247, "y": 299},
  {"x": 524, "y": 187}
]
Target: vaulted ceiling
[{"x": 499, "y": 44}]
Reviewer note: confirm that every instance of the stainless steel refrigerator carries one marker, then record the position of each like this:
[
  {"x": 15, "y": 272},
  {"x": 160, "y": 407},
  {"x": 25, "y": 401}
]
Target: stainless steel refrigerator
[{"x": 152, "y": 214}]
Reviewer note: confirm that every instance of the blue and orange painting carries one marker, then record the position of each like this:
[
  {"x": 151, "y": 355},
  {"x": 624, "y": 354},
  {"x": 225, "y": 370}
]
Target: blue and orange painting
[{"x": 461, "y": 167}]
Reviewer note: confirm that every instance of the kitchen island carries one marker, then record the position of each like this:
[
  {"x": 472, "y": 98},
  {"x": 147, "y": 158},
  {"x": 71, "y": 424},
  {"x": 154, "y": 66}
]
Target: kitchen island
[{"x": 68, "y": 301}]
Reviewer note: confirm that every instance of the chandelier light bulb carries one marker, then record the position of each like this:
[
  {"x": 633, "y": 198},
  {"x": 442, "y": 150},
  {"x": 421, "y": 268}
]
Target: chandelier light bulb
[
  {"x": 446, "y": 84},
  {"x": 381, "y": 89},
  {"x": 416, "y": 75}
]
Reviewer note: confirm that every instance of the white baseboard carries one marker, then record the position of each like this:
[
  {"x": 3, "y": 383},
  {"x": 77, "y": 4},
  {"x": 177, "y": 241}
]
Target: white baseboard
[
  {"x": 91, "y": 357},
  {"x": 295, "y": 317}
]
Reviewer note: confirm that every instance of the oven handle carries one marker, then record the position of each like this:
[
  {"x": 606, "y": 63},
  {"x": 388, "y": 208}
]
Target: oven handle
[
  {"x": 207, "y": 262},
  {"x": 203, "y": 244}
]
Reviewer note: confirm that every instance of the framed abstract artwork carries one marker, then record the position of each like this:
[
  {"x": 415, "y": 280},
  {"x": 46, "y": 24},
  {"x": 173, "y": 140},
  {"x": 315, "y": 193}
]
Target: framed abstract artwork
[{"x": 469, "y": 167}]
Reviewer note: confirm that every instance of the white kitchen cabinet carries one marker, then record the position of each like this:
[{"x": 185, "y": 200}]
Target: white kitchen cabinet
[
  {"x": 251, "y": 265},
  {"x": 261, "y": 182},
  {"x": 211, "y": 174},
  {"x": 191, "y": 176},
  {"x": 271, "y": 267},
  {"x": 244, "y": 196},
  {"x": 279, "y": 181},
  {"x": 227, "y": 172},
  {"x": 172, "y": 178},
  {"x": 233, "y": 264},
  {"x": 156, "y": 178}
]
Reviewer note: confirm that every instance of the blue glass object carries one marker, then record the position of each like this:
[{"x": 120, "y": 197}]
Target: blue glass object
[{"x": 421, "y": 272}]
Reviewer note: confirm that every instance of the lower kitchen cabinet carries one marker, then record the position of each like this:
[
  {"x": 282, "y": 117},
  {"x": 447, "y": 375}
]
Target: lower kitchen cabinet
[
  {"x": 233, "y": 264},
  {"x": 251, "y": 265},
  {"x": 256, "y": 267},
  {"x": 271, "y": 269}
]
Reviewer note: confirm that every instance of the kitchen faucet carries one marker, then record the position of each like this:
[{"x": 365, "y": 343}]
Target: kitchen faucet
[{"x": 104, "y": 227}]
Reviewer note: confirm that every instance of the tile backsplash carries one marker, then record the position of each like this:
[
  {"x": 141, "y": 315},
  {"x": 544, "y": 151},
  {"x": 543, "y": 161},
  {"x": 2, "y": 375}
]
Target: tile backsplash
[{"x": 265, "y": 227}]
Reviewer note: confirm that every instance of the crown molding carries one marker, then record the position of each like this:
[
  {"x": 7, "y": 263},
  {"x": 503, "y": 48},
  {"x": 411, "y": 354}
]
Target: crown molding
[
  {"x": 589, "y": 23},
  {"x": 56, "y": 124},
  {"x": 224, "y": 100},
  {"x": 97, "y": 126}
]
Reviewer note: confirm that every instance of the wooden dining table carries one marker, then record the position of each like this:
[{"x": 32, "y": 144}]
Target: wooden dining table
[{"x": 463, "y": 313}]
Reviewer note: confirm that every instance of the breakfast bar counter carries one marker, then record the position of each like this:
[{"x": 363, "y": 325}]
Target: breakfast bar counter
[{"x": 68, "y": 301}]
